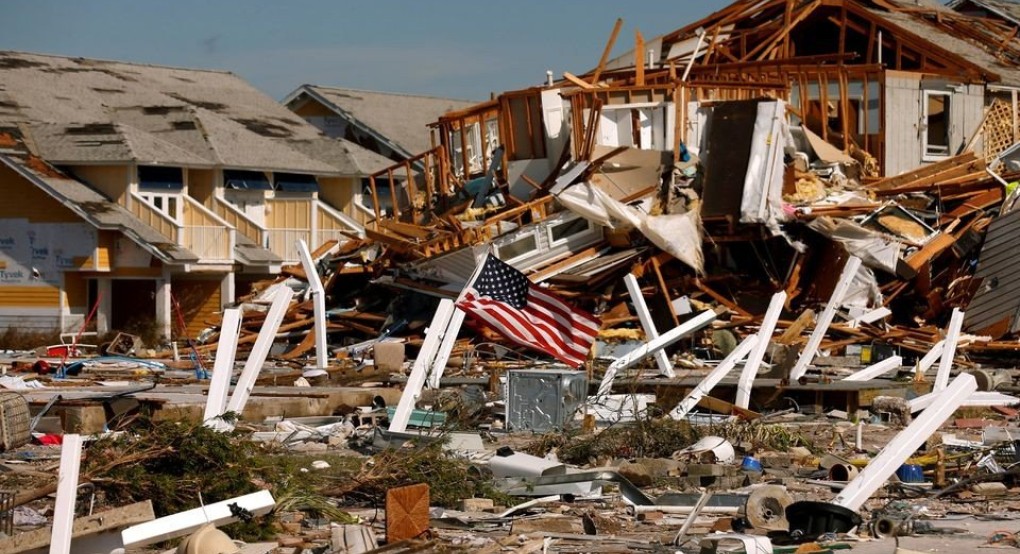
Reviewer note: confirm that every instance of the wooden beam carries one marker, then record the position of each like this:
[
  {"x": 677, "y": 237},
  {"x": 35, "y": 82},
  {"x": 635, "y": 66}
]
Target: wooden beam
[
  {"x": 639, "y": 58},
  {"x": 577, "y": 81},
  {"x": 608, "y": 49}
]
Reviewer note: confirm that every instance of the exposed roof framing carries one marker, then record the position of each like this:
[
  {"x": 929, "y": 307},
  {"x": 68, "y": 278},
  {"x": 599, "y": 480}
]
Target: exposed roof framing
[{"x": 925, "y": 38}]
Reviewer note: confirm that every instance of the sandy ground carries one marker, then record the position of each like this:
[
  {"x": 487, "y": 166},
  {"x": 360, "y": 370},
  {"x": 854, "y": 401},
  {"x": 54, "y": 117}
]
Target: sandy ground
[{"x": 978, "y": 533}]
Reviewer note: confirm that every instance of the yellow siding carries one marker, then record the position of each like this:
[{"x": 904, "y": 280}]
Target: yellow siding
[
  {"x": 201, "y": 183},
  {"x": 199, "y": 301},
  {"x": 77, "y": 290},
  {"x": 338, "y": 192},
  {"x": 24, "y": 200},
  {"x": 311, "y": 108},
  {"x": 112, "y": 181},
  {"x": 289, "y": 214},
  {"x": 29, "y": 297}
]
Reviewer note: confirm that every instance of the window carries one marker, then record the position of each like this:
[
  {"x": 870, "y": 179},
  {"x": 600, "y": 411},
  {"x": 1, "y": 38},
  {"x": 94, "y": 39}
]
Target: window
[
  {"x": 519, "y": 248},
  {"x": 474, "y": 146},
  {"x": 936, "y": 121},
  {"x": 245, "y": 180},
  {"x": 295, "y": 182},
  {"x": 563, "y": 232},
  {"x": 161, "y": 187},
  {"x": 160, "y": 178},
  {"x": 165, "y": 202}
]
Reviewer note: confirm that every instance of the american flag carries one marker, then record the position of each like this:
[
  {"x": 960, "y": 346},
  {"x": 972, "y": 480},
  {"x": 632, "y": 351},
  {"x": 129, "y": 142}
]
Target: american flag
[{"x": 504, "y": 299}]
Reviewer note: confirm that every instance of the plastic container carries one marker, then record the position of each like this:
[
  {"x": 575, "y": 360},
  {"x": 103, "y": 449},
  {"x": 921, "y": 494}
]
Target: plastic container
[
  {"x": 749, "y": 463},
  {"x": 910, "y": 473}
]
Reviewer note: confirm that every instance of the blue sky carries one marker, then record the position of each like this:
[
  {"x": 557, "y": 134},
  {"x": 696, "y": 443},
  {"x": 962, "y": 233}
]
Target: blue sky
[{"x": 456, "y": 48}]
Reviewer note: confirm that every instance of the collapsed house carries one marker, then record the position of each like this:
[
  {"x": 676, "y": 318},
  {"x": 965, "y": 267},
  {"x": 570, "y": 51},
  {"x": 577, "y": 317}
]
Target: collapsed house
[{"x": 744, "y": 153}]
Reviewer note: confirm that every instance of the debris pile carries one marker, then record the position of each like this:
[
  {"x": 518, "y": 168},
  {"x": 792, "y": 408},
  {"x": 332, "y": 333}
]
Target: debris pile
[{"x": 663, "y": 306}]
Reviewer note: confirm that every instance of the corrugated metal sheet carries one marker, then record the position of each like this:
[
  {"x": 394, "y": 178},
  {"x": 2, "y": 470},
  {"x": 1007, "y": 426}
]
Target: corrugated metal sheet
[{"x": 998, "y": 298}]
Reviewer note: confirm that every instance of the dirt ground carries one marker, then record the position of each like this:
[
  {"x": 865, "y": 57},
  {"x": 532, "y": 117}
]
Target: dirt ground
[{"x": 978, "y": 532}]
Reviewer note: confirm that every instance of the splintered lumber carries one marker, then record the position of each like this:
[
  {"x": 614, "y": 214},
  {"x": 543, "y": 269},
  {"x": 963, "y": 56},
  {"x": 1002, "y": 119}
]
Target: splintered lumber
[
  {"x": 923, "y": 172},
  {"x": 577, "y": 80},
  {"x": 937, "y": 245}
]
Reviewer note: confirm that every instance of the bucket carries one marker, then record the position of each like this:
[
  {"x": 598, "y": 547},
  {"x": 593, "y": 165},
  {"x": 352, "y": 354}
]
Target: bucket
[
  {"x": 749, "y": 463},
  {"x": 910, "y": 473}
]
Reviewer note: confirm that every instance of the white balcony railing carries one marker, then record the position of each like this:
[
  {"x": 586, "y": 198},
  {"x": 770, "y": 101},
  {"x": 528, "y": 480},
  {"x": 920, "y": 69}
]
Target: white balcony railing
[
  {"x": 282, "y": 242},
  {"x": 210, "y": 243}
]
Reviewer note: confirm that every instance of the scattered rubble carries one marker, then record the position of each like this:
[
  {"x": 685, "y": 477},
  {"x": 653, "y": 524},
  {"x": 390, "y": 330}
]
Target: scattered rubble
[{"x": 749, "y": 337}]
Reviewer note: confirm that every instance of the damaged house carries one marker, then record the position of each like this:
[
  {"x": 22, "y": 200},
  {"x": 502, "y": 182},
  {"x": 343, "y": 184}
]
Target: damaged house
[
  {"x": 392, "y": 125},
  {"x": 871, "y": 123},
  {"x": 155, "y": 194}
]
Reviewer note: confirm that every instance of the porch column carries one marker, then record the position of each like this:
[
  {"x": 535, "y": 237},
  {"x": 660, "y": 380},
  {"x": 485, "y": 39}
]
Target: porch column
[
  {"x": 227, "y": 290},
  {"x": 104, "y": 313},
  {"x": 164, "y": 310}
]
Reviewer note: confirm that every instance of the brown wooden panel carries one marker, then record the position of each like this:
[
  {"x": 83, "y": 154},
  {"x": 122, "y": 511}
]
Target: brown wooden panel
[{"x": 407, "y": 512}]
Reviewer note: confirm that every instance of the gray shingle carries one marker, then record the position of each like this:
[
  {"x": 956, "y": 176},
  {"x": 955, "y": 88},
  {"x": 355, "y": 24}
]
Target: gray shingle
[{"x": 402, "y": 118}]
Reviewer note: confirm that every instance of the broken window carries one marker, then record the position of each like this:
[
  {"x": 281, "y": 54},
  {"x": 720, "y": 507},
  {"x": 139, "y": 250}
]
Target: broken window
[
  {"x": 477, "y": 163},
  {"x": 936, "y": 122}
]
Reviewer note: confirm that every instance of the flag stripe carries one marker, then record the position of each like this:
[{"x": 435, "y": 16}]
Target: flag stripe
[
  {"x": 504, "y": 299},
  {"x": 534, "y": 330}
]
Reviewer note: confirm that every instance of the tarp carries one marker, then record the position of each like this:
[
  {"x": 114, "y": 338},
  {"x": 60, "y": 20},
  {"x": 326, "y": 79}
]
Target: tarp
[{"x": 677, "y": 234}]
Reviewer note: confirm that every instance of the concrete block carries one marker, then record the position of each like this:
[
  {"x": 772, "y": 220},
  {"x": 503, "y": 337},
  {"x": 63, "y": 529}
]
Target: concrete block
[
  {"x": 477, "y": 505},
  {"x": 989, "y": 489},
  {"x": 636, "y": 473},
  {"x": 389, "y": 356},
  {"x": 708, "y": 470},
  {"x": 83, "y": 420}
]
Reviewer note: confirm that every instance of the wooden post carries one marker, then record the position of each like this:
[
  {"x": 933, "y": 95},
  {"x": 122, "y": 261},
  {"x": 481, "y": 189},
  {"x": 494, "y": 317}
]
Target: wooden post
[
  {"x": 608, "y": 49},
  {"x": 639, "y": 59}
]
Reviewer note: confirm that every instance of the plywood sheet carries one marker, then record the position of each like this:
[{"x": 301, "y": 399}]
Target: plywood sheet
[{"x": 407, "y": 512}]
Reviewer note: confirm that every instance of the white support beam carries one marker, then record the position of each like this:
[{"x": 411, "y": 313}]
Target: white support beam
[
  {"x": 824, "y": 320},
  {"x": 981, "y": 399},
  {"x": 949, "y": 350},
  {"x": 929, "y": 359},
  {"x": 412, "y": 389},
  {"x": 754, "y": 359},
  {"x": 449, "y": 340},
  {"x": 318, "y": 303},
  {"x": 223, "y": 369},
  {"x": 903, "y": 445},
  {"x": 651, "y": 347},
  {"x": 184, "y": 523},
  {"x": 263, "y": 343},
  {"x": 67, "y": 494},
  {"x": 712, "y": 379},
  {"x": 875, "y": 370},
  {"x": 651, "y": 333}
]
